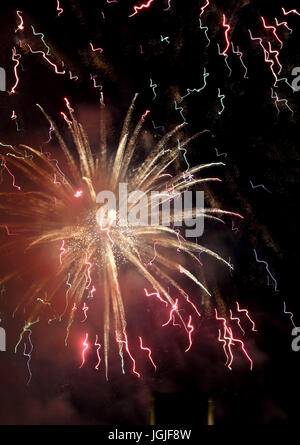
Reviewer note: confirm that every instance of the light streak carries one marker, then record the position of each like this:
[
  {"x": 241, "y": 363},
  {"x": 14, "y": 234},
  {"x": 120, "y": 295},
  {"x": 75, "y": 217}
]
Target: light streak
[
  {"x": 221, "y": 97},
  {"x": 165, "y": 39},
  {"x": 184, "y": 154},
  {"x": 225, "y": 59},
  {"x": 153, "y": 86},
  {"x": 180, "y": 109},
  {"x": 220, "y": 154},
  {"x": 78, "y": 194},
  {"x": 267, "y": 269},
  {"x": 157, "y": 295},
  {"x": 96, "y": 49},
  {"x": 159, "y": 127},
  {"x": 276, "y": 57},
  {"x": 247, "y": 315},
  {"x": 28, "y": 355},
  {"x": 8, "y": 232},
  {"x": 15, "y": 58},
  {"x": 285, "y": 101},
  {"x": 238, "y": 321},
  {"x": 143, "y": 6},
  {"x": 204, "y": 7},
  {"x": 59, "y": 9},
  {"x": 85, "y": 345},
  {"x": 227, "y": 26},
  {"x": 234, "y": 228},
  {"x": 107, "y": 231},
  {"x": 289, "y": 313},
  {"x": 42, "y": 39},
  {"x": 195, "y": 90},
  {"x": 47, "y": 60},
  {"x": 125, "y": 342},
  {"x": 88, "y": 274},
  {"x": 93, "y": 78},
  {"x": 3, "y": 164},
  {"x": 149, "y": 353},
  {"x": 273, "y": 29},
  {"x": 169, "y": 6},
  {"x": 84, "y": 310},
  {"x": 292, "y": 11},
  {"x": 62, "y": 251},
  {"x": 141, "y": 50},
  {"x": 174, "y": 309},
  {"x": 283, "y": 24},
  {"x": 266, "y": 56},
  {"x": 259, "y": 185},
  {"x": 155, "y": 255},
  {"x": 231, "y": 341},
  {"x": 193, "y": 278},
  {"x": 21, "y": 24},
  {"x": 67, "y": 296},
  {"x": 73, "y": 77},
  {"x": 205, "y": 28},
  {"x": 145, "y": 114},
  {"x": 98, "y": 353},
  {"x": 240, "y": 55},
  {"x": 191, "y": 330}
]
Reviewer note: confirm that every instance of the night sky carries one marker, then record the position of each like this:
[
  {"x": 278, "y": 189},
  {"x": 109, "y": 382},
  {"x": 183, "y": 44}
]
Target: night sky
[{"x": 255, "y": 136}]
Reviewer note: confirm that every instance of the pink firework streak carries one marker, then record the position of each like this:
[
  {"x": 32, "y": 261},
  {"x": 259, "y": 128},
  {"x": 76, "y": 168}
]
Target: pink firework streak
[
  {"x": 227, "y": 26},
  {"x": 247, "y": 315},
  {"x": 84, "y": 310},
  {"x": 157, "y": 295},
  {"x": 15, "y": 58},
  {"x": 125, "y": 342},
  {"x": 174, "y": 309},
  {"x": 292, "y": 11},
  {"x": 204, "y": 7},
  {"x": 145, "y": 114},
  {"x": 47, "y": 60},
  {"x": 273, "y": 29},
  {"x": 98, "y": 353},
  {"x": 149, "y": 353},
  {"x": 59, "y": 9},
  {"x": 96, "y": 49},
  {"x": 191, "y": 330},
  {"x": 85, "y": 348},
  {"x": 143, "y": 6},
  {"x": 3, "y": 164},
  {"x": 289, "y": 313},
  {"x": 21, "y": 25},
  {"x": 8, "y": 232},
  {"x": 228, "y": 335}
]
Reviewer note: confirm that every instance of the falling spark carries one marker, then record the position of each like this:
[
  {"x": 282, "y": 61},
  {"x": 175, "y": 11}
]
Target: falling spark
[
  {"x": 289, "y": 313},
  {"x": 98, "y": 353},
  {"x": 191, "y": 329}
]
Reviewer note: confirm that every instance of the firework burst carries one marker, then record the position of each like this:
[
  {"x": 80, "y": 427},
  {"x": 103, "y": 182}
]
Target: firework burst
[{"x": 54, "y": 211}]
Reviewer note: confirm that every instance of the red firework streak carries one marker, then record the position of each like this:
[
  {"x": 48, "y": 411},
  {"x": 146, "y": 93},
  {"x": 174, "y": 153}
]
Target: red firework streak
[
  {"x": 85, "y": 348},
  {"x": 227, "y": 26},
  {"x": 143, "y": 6},
  {"x": 229, "y": 341},
  {"x": 3, "y": 164},
  {"x": 125, "y": 342},
  {"x": 8, "y": 232},
  {"x": 149, "y": 353}
]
